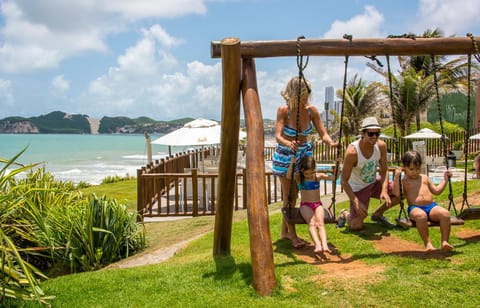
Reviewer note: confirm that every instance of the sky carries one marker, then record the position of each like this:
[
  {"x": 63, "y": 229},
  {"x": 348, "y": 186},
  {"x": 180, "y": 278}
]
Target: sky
[{"x": 152, "y": 58}]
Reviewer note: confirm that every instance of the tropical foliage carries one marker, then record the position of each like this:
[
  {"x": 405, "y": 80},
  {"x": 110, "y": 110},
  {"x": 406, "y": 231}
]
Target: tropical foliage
[
  {"x": 19, "y": 279},
  {"x": 421, "y": 82},
  {"x": 48, "y": 228},
  {"x": 360, "y": 99}
]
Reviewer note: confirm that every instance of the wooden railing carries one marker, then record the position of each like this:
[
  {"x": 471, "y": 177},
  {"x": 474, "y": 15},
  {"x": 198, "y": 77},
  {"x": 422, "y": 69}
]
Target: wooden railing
[
  {"x": 170, "y": 187},
  {"x": 192, "y": 193}
]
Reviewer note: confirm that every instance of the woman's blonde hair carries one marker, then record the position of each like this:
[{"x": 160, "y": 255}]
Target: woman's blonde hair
[{"x": 290, "y": 94}]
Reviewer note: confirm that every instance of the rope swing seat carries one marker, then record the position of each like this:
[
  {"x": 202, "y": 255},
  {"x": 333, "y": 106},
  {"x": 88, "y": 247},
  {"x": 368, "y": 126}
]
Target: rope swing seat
[
  {"x": 403, "y": 219},
  {"x": 467, "y": 212}
]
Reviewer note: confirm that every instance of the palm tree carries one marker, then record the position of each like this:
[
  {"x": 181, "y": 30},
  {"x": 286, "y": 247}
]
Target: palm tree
[
  {"x": 411, "y": 92},
  {"x": 414, "y": 86},
  {"x": 450, "y": 74},
  {"x": 360, "y": 99}
]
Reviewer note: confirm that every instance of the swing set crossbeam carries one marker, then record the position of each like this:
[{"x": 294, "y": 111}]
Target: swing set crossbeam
[{"x": 353, "y": 47}]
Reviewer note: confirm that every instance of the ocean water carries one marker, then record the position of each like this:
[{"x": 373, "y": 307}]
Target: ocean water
[{"x": 87, "y": 158}]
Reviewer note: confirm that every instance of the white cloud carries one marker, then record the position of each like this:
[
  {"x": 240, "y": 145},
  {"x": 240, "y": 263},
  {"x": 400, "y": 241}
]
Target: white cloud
[
  {"x": 41, "y": 34},
  {"x": 148, "y": 80},
  {"x": 153, "y": 8},
  {"x": 6, "y": 95},
  {"x": 36, "y": 36},
  {"x": 59, "y": 84},
  {"x": 365, "y": 25},
  {"x": 158, "y": 33},
  {"x": 452, "y": 17}
]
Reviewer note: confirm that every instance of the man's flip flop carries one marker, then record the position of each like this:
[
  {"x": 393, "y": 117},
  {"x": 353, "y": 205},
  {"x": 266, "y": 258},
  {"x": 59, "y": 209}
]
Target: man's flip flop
[{"x": 298, "y": 243}]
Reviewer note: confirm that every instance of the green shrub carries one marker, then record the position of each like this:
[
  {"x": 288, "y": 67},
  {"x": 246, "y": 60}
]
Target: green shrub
[
  {"x": 58, "y": 230},
  {"x": 105, "y": 232},
  {"x": 116, "y": 178}
]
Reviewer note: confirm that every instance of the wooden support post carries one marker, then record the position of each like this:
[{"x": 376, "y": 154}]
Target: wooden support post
[
  {"x": 355, "y": 47},
  {"x": 260, "y": 240},
  {"x": 231, "y": 72}
]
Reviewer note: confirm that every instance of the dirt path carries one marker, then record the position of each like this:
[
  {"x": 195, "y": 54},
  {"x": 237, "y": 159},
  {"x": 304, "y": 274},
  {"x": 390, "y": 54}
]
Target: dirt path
[{"x": 154, "y": 257}]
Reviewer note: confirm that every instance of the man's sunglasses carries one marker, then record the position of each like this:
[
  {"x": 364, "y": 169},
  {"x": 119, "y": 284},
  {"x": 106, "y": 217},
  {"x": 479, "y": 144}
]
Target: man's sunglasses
[{"x": 371, "y": 134}]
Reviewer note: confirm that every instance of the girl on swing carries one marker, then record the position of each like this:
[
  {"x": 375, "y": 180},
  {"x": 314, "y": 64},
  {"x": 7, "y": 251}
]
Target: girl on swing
[
  {"x": 311, "y": 208},
  {"x": 295, "y": 122}
]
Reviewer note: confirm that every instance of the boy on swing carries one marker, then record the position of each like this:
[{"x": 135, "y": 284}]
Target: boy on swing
[{"x": 418, "y": 189}]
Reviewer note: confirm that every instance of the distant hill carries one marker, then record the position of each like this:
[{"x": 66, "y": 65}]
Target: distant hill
[
  {"x": 124, "y": 125},
  {"x": 58, "y": 122}
]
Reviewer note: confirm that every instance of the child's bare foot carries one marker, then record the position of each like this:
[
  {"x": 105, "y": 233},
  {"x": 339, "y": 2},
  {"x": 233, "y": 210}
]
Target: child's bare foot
[
  {"x": 429, "y": 247},
  {"x": 320, "y": 250},
  {"x": 446, "y": 246}
]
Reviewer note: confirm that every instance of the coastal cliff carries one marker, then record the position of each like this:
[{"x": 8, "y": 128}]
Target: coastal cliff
[{"x": 19, "y": 127}]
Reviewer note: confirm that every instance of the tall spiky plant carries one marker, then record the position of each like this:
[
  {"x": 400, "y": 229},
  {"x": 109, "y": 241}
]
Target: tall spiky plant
[{"x": 19, "y": 279}]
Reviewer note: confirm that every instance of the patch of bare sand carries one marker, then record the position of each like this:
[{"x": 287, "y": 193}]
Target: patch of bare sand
[
  {"x": 468, "y": 235},
  {"x": 338, "y": 266},
  {"x": 474, "y": 198}
]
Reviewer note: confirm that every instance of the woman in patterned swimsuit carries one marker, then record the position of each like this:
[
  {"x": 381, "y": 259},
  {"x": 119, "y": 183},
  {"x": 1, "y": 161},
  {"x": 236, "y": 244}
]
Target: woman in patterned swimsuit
[{"x": 289, "y": 144}]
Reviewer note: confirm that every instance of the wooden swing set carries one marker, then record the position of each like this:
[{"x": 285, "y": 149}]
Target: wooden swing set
[{"x": 239, "y": 82}]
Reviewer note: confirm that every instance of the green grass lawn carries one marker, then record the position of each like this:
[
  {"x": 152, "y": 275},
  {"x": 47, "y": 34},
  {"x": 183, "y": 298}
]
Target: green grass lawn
[{"x": 192, "y": 278}]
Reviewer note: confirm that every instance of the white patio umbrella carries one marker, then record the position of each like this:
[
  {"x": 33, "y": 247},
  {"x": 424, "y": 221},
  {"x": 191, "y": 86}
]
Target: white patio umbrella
[
  {"x": 424, "y": 133},
  {"x": 475, "y": 137},
  {"x": 197, "y": 132}
]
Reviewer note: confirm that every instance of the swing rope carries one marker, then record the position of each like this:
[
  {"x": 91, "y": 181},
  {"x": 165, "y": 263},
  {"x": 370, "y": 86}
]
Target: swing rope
[
  {"x": 475, "y": 46},
  {"x": 301, "y": 78},
  {"x": 445, "y": 155},
  {"x": 339, "y": 146},
  {"x": 403, "y": 211},
  {"x": 467, "y": 211},
  {"x": 467, "y": 132}
]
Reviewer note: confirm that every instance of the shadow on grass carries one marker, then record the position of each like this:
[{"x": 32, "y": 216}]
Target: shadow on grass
[
  {"x": 284, "y": 246},
  {"x": 225, "y": 267},
  {"x": 370, "y": 232}
]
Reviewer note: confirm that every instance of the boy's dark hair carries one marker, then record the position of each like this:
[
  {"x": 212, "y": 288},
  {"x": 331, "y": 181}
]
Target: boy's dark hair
[
  {"x": 306, "y": 163},
  {"x": 412, "y": 157}
]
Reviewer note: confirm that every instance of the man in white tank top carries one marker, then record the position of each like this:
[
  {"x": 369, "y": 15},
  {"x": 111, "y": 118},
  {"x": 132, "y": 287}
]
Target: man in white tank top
[{"x": 359, "y": 177}]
